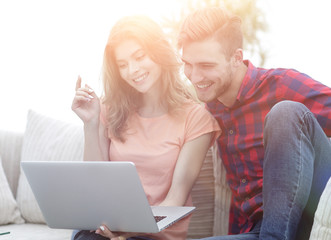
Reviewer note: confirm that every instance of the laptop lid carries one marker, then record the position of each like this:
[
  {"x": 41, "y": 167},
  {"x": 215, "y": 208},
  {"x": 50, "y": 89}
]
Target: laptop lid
[{"x": 84, "y": 195}]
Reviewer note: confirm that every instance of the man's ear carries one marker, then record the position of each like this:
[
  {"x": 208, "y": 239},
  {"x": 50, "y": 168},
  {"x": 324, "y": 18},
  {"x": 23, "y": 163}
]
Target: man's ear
[{"x": 237, "y": 57}]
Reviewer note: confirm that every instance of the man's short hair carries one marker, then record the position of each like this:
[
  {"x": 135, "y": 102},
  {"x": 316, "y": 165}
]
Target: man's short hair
[{"x": 212, "y": 22}]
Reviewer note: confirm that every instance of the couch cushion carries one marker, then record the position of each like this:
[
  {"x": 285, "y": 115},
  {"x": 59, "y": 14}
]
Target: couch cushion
[
  {"x": 8, "y": 207},
  {"x": 203, "y": 194},
  {"x": 322, "y": 221},
  {"x": 222, "y": 196},
  {"x": 46, "y": 139},
  {"x": 34, "y": 232},
  {"x": 10, "y": 151}
]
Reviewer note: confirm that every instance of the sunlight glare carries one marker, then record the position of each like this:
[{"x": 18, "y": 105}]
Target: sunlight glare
[{"x": 45, "y": 45}]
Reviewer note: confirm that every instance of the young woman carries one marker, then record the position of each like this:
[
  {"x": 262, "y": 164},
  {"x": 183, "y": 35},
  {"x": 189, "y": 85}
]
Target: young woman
[{"x": 146, "y": 115}]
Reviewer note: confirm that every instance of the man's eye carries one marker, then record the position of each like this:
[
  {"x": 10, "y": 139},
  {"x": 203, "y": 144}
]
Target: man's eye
[
  {"x": 207, "y": 65},
  {"x": 186, "y": 64}
]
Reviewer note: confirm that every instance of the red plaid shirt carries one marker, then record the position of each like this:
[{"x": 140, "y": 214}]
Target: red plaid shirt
[{"x": 240, "y": 144}]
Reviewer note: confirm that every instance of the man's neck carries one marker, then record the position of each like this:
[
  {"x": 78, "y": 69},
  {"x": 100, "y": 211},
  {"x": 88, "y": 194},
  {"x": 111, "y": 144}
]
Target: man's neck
[{"x": 230, "y": 97}]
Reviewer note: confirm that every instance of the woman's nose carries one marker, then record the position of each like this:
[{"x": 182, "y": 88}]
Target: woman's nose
[{"x": 133, "y": 67}]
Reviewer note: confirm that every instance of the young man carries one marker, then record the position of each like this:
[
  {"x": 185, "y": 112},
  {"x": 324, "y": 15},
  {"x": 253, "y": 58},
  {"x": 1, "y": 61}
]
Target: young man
[{"x": 275, "y": 124}]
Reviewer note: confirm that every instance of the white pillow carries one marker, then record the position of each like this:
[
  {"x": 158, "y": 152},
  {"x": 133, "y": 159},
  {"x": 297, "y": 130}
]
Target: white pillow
[
  {"x": 8, "y": 207},
  {"x": 46, "y": 139},
  {"x": 322, "y": 221}
]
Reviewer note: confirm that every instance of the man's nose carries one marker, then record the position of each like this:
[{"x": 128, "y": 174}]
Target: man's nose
[{"x": 196, "y": 75}]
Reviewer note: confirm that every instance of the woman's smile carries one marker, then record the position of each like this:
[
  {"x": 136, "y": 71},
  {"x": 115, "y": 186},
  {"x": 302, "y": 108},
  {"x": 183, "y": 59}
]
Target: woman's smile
[{"x": 141, "y": 77}]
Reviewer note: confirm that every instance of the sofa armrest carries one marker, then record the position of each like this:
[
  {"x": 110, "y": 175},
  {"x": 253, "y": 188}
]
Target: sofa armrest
[
  {"x": 212, "y": 197},
  {"x": 10, "y": 151},
  {"x": 203, "y": 198},
  {"x": 222, "y": 196},
  {"x": 321, "y": 229}
]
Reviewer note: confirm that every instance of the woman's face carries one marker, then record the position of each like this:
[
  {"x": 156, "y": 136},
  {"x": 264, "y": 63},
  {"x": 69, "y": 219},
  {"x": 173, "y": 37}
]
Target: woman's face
[{"x": 136, "y": 67}]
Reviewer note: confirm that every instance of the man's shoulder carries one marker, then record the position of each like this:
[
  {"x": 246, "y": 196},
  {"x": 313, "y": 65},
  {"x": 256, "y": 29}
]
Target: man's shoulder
[{"x": 282, "y": 73}]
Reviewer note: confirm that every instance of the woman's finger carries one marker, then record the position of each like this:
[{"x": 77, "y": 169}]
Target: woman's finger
[
  {"x": 78, "y": 83},
  {"x": 120, "y": 238},
  {"x": 86, "y": 91},
  {"x": 90, "y": 90},
  {"x": 104, "y": 231},
  {"x": 83, "y": 94},
  {"x": 80, "y": 99}
]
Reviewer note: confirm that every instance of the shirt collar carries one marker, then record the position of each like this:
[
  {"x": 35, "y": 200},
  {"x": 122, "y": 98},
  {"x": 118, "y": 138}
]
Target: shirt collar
[
  {"x": 246, "y": 85},
  {"x": 248, "y": 81}
]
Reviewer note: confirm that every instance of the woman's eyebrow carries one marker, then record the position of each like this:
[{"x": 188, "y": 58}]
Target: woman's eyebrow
[
  {"x": 132, "y": 55},
  {"x": 137, "y": 52}
]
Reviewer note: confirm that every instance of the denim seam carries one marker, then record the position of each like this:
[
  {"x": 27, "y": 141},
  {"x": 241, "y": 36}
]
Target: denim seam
[{"x": 299, "y": 169}]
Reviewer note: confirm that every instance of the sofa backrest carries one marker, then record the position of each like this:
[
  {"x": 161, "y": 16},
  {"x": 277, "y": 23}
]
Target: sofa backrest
[
  {"x": 10, "y": 152},
  {"x": 210, "y": 194}
]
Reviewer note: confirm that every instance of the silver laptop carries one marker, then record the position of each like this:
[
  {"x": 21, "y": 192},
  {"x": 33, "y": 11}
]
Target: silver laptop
[{"x": 84, "y": 195}]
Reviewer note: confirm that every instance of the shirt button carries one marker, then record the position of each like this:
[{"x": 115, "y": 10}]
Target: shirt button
[
  {"x": 243, "y": 180},
  {"x": 231, "y": 132},
  {"x": 247, "y": 199}
]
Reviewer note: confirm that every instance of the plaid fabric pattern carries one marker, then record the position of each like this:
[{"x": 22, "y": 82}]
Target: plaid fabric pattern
[{"x": 241, "y": 142}]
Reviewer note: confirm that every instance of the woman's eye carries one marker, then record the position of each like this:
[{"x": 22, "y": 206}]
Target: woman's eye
[
  {"x": 121, "y": 66},
  {"x": 140, "y": 57}
]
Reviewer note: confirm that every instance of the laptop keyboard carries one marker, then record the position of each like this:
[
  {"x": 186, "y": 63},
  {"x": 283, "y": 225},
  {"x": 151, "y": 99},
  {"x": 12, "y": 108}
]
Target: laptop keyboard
[{"x": 159, "y": 218}]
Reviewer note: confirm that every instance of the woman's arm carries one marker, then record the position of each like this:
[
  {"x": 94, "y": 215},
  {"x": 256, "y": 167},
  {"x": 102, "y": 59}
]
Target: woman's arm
[
  {"x": 86, "y": 105},
  {"x": 187, "y": 170},
  {"x": 96, "y": 144}
]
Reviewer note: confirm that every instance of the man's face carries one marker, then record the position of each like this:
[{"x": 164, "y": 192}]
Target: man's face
[{"x": 208, "y": 69}]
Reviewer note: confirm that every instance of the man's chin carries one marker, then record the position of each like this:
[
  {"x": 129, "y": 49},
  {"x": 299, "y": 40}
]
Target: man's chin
[{"x": 205, "y": 99}]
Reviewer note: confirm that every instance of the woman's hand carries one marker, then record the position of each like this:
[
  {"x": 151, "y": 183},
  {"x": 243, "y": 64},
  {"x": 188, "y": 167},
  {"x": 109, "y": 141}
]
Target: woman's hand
[
  {"x": 104, "y": 231},
  {"x": 86, "y": 103}
]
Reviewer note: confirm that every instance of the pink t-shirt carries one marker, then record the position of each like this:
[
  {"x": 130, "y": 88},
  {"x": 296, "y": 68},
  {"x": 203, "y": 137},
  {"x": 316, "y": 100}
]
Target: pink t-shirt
[{"x": 154, "y": 144}]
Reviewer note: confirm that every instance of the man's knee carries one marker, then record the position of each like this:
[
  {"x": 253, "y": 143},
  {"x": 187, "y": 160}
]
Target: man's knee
[
  {"x": 283, "y": 118},
  {"x": 286, "y": 110}
]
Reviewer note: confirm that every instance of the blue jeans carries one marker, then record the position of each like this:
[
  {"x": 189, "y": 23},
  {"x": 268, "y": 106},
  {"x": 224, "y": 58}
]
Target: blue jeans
[
  {"x": 87, "y": 235},
  {"x": 297, "y": 166}
]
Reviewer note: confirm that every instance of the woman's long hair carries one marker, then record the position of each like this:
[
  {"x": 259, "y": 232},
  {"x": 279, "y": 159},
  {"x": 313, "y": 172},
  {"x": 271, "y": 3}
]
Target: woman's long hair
[{"x": 119, "y": 98}]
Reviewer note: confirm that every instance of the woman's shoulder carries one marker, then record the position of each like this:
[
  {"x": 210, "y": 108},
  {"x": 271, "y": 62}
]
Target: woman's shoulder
[
  {"x": 195, "y": 107},
  {"x": 192, "y": 111},
  {"x": 198, "y": 120}
]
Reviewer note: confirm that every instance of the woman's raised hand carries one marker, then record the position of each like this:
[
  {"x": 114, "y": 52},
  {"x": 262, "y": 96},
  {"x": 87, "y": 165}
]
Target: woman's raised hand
[{"x": 86, "y": 103}]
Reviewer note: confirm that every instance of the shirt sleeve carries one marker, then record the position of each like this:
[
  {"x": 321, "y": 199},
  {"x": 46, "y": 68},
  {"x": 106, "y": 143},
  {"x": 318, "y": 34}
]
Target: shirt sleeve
[
  {"x": 314, "y": 95},
  {"x": 198, "y": 122}
]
